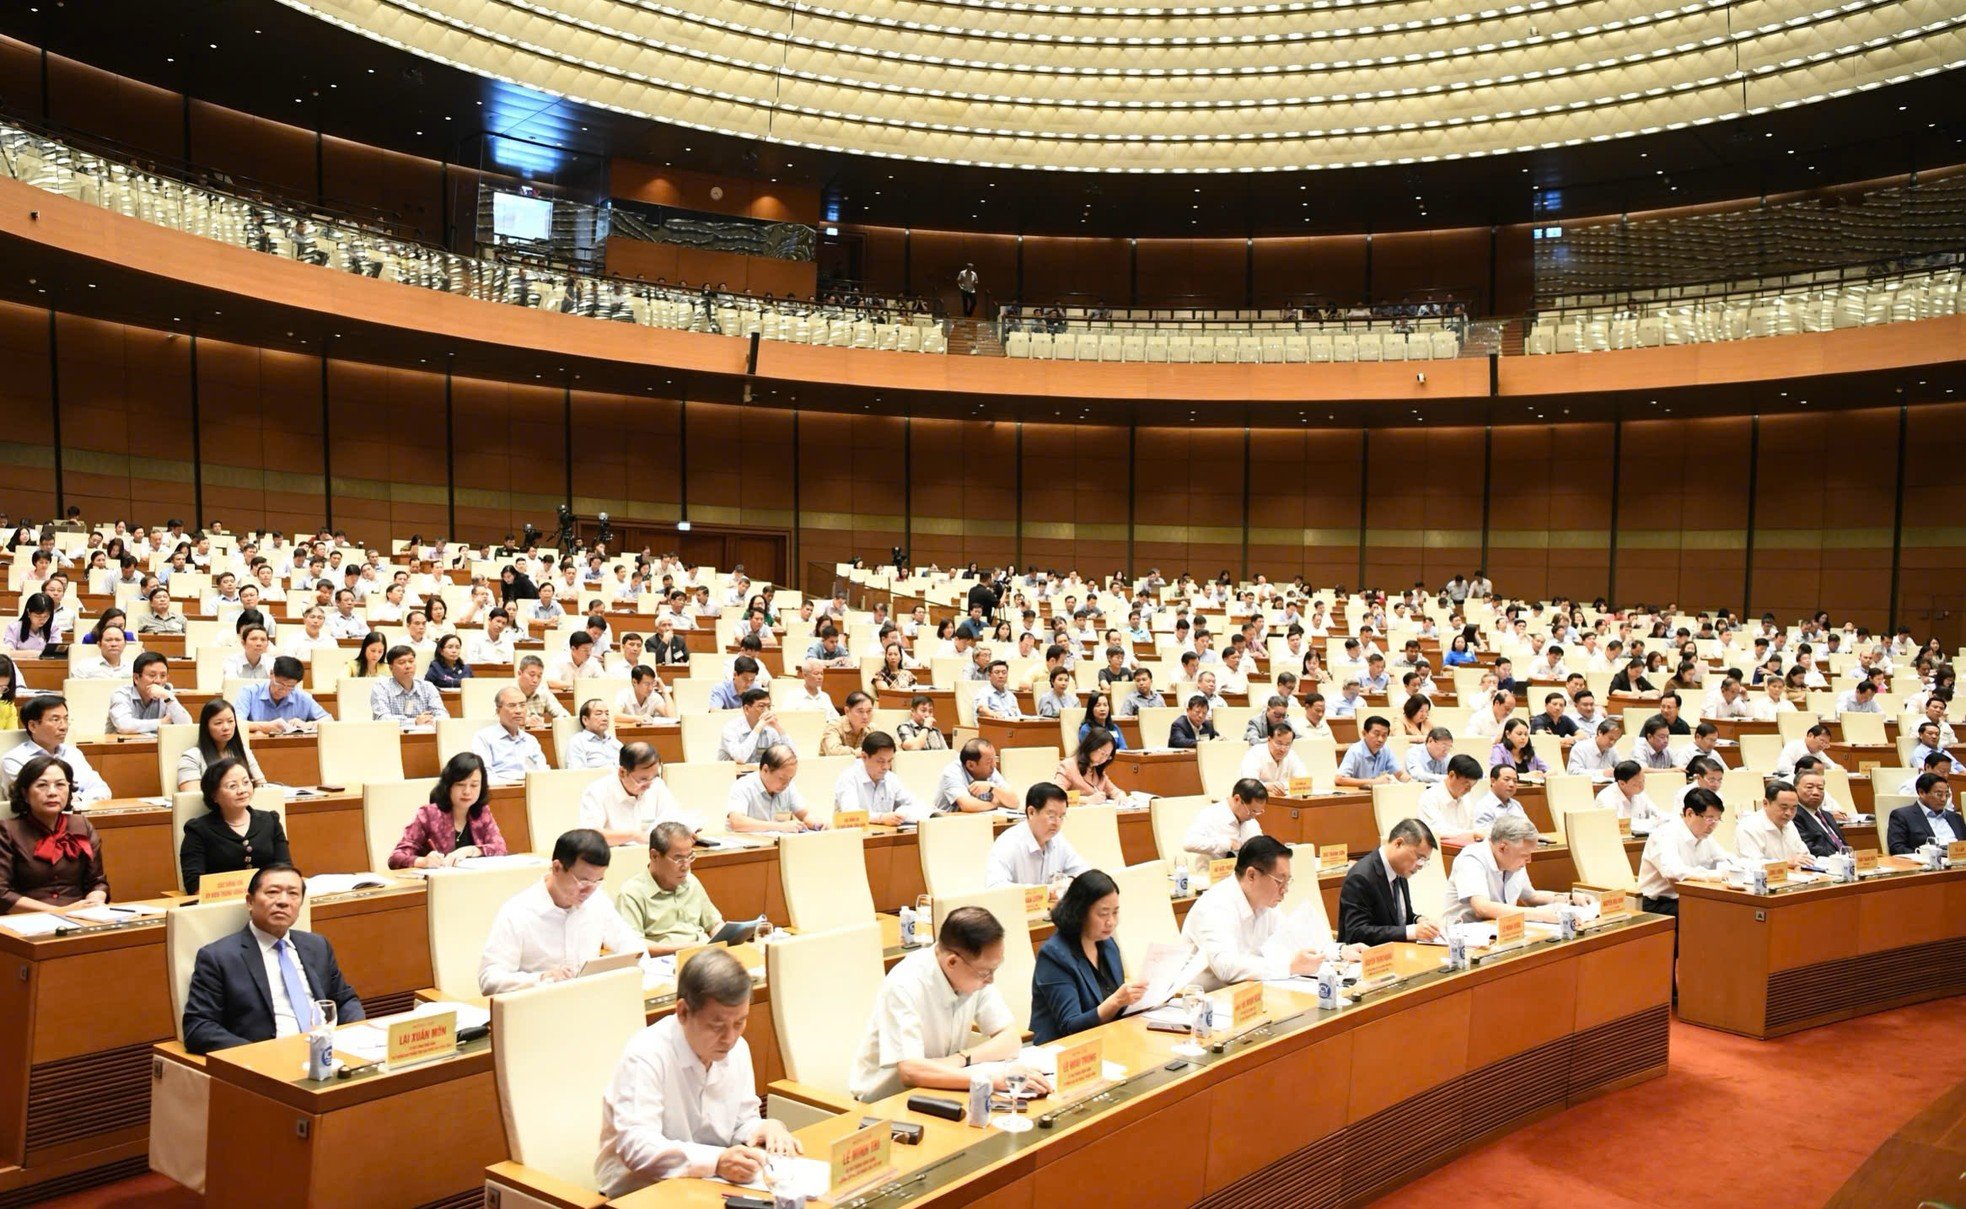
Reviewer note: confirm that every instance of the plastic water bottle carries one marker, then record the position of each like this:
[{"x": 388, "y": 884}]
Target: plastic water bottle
[
  {"x": 907, "y": 926},
  {"x": 1181, "y": 879},
  {"x": 979, "y": 1098},
  {"x": 1566, "y": 923},
  {"x": 1457, "y": 948},
  {"x": 320, "y": 1041},
  {"x": 1760, "y": 879},
  {"x": 1329, "y": 980},
  {"x": 762, "y": 929}
]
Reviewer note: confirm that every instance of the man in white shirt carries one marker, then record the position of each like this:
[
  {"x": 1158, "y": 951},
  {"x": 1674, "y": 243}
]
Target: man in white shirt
[
  {"x": 1232, "y": 675},
  {"x": 508, "y": 749},
  {"x": 148, "y": 701},
  {"x": 810, "y": 693},
  {"x": 45, "y": 718},
  {"x": 1427, "y": 762},
  {"x": 644, "y": 700},
  {"x": 996, "y": 700},
  {"x": 549, "y": 930},
  {"x": 1774, "y": 700},
  {"x": 972, "y": 782},
  {"x": 1236, "y": 927},
  {"x": 683, "y": 1101},
  {"x": 313, "y": 635},
  {"x": 255, "y": 658},
  {"x": 627, "y": 805},
  {"x": 1626, "y": 795},
  {"x": 1653, "y": 747},
  {"x": 928, "y": 1007},
  {"x": 1272, "y": 761},
  {"x": 1859, "y": 700},
  {"x": 581, "y": 663},
  {"x": 767, "y": 800},
  {"x": 1033, "y": 852},
  {"x": 1730, "y": 701},
  {"x": 1813, "y": 743},
  {"x": 1490, "y": 879},
  {"x": 754, "y": 729},
  {"x": 1220, "y": 829},
  {"x": 1597, "y": 754},
  {"x": 499, "y": 642},
  {"x": 1447, "y": 805},
  {"x": 1585, "y": 713},
  {"x": 401, "y": 696},
  {"x": 869, "y": 784},
  {"x": 1769, "y": 834},
  {"x": 1313, "y": 724},
  {"x": 1488, "y": 723},
  {"x": 1681, "y": 849}
]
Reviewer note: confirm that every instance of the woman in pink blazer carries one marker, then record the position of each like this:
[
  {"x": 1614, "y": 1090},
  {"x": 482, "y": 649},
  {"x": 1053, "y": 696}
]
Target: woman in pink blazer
[
  {"x": 455, "y": 824},
  {"x": 1085, "y": 770}
]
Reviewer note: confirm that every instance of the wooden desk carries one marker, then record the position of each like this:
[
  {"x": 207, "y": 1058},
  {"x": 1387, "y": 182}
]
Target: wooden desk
[
  {"x": 79, "y": 1014},
  {"x": 280, "y": 1140},
  {"x": 1025, "y": 732},
  {"x": 1160, "y": 774},
  {"x": 1768, "y": 964},
  {"x": 1734, "y": 728},
  {"x": 1373, "y": 1090}
]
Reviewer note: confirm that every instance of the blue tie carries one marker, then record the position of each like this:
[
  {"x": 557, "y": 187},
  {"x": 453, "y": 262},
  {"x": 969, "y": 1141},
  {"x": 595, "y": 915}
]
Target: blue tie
[{"x": 297, "y": 995}]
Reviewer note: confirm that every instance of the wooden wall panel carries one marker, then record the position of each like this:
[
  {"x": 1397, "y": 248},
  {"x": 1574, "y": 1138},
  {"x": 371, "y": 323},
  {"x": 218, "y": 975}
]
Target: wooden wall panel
[
  {"x": 259, "y": 419},
  {"x": 851, "y": 493},
  {"x": 27, "y": 463},
  {"x": 511, "y": 453},
  {"x": 1304, "y": 494},
  {"x": 674, "y": 263},
  {"x": 253, "y": 148},
  {"x": 1430, "y": 264},
  {"x": 626, "y": 456},
  {"x": 125, "y": 419},
  {"x": 115, "y": 107},
  {"x": 1549, "y": 510},
  {"x": 1187, "y": 500},
  {"x": 937, "y": 256},
  {"x": 882, "y": 256},
  {"x": 1423, "y": 505},
  {"x": 1057, "y": 266},
  {"x": 1193, "y": 272},
  {"x": 1682, "y": 512},
  {"x": 774, "y": 201},
  {"x": 1931, "y": 582},
  {"x": 964, "y": 490},
  {"x": 20, "y": 77},
  {"x": 386, "y": 441},
  {"x": 406, "y": 189},
  {"x": 1075, "y": 496},
  {"x": 740, "y": 466},
  {"x": 1515, "y": 270},
  {"x": 1823, "y": 517},
  {"x": 1324, "y": 266}
]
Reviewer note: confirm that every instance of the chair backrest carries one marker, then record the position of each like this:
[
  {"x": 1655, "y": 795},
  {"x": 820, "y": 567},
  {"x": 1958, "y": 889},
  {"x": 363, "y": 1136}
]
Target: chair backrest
[
  {"x": 1146, "y": 911},
  {"x": 187, "y": 806},
  {"x": 549, "y": 1092},
  {"x": 1565, "y": 793},
  {"x": 454, "y": 735},
  {"x": 1023, "y": 767},
  {"x": 88, "y": 707},
  {"x": 1156, "y": 720},
  {"x": 1391, "y": 803},
  {"x": 1791, "y": 725},
  {"x": 173, "y": 740},
  {"x": 1598, "y": 850},
  {"x": 1095, "y": 832},
  {"x": 387, "y": 808},
  {"x": 955, "y": 852},
  {"x": 461, "y": 906},
  {"x": 1759, "y": 752},
  {"x": 815, "y": 780},
  {"x": 352, "y": 700},
  {"x": 356, "y": 753},
  {"x": 704, "y": 791},
  {"x": 824, "y": 874},
  {"x": 553, "y": 802},
  {"x": 1863, "y": 728},
  {"x": 563, "y": 729},
  {"x": 840, "y": 968},
  {"x": 702, "y": 733},
  {"x": 189, "y": 929},
  {"x": 1020, "y": 962},
  {"x": 1170, "y": 819},
  {"x": 1220, "y": 763},
  {"x": 1427, "y": 888},
  {"x": 1304, "y": 890},
  {"x": 477, "y": 697},
  {"x": 921, "y": 771},
  {"x": 804, "y": 728}
]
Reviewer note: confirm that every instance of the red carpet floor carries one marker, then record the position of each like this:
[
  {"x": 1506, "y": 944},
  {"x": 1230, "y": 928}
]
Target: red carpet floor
[{"x": 1735, "y": 1122}]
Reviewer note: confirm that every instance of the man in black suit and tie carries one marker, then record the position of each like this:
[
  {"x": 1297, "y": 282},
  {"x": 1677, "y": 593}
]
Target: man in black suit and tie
[
  {"x": 1927, "y": 819},
  {"x": 1375, "y": 905},
  {"x": 263, "y": 981},
  {"x": 1193, "y": 726},
  {"x": 1812, "y": 822}
]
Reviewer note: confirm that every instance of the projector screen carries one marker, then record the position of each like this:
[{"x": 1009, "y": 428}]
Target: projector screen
[{"x": 518, "y": 217}]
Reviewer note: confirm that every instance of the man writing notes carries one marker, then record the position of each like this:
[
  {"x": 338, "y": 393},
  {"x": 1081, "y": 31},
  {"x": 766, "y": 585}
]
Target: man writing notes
[
  {"x": 683, "y": 1101},
  {"x": 1375, "y": 905},
  {"x": 928, "y": 1007},
  {"x": 1491, "y": 877},
  {"x": 1681, "y": 849},
  {"x": 1235, "y": 926},
  {"x": 547, "y": 931}
]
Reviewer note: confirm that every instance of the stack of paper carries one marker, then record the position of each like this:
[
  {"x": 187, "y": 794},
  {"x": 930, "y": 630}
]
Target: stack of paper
[
  {"x": 117, "y": 914},
  {"x": 342, "y": 883},
  {"x": 811, "y": 1175},
  {"x": 34, "y": 923}
]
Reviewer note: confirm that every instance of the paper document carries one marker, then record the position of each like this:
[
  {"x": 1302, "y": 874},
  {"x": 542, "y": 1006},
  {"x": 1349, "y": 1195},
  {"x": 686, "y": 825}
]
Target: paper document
[
  {"x": 369, "y": 1040},
  {"x": 501, "y": 862},
  {"x": 813, "y": 1176},
  {"x": 1168, "y": 967},
  {"x": 37, "y": 923},
  {"x": 116, "y": 915},
  {"x": 1303, "y": 930},
  {"x": 342, "y": 883}
]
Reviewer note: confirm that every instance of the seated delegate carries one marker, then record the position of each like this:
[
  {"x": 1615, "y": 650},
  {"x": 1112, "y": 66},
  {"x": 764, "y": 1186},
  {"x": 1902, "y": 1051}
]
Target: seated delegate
[
  {"x": 626, "y": 805},
  {"x": 218, "y": 739},
  {"x": 50, "y": 857},
  {"x": 1079, "y": 982},
  {"x": 231, "y": 835},
  {"x": 548, "y": 931},
  {"x": 1375, "y": 903},
  {"x": 263, "y": 981},
  {"x": 456, "y": 824},
  {"x": 1034, "y": 852},
  {"x": 1235, "y": 928},
  {"x": 664, "y": 904}
]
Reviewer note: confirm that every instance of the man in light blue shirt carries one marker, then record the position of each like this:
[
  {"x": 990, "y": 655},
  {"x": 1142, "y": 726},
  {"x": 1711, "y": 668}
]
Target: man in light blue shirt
[
  {"x": 403, "y": 696},
  {"x": 730, "y": 694},
  {"x": 1368, "y": 762},
  {"x": 1928, "y": 745},
  {"x": 278, "y": 703},
  {"x": 830, "y": 649},
  {"x": 1427, "y": 762},
  {"x": 507, "y": 747},
  {"x": 997, "y": 701},
  {"x": 1346, "y": 704}
]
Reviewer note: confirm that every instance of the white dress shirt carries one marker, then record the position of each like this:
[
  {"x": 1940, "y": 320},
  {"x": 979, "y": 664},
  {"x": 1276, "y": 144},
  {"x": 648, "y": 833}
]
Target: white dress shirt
[
  {"x": 998, "y": 703},
  {"x": 798, "y": 699},
  {"x": 665, "y": 1114},
  {"x": 919, "y": 1015},
  {"x": 1645, "y": 816},
  {"x": 1258, "y": 763},
  {"x": 748, "y": 796},
  {"x": 1216, "y": 832},
  {"x": 1232, "y": 941},
  {"x": 1795, "y": 750},
  {"x": 1587, "y": 757},
  {"x": 1671, "y": 853},
  {"x": 89, "y": 785},
  {"x": 1759, "y": 842},
  {"x": 1017, "y": 860},
  {"x": 1487, "y": 808},
  {"x": 532, "y": 935},
  {"x": 481, "y": 649},
  {"x": 284, "y": 1023},
  {"x": 508, "y": 757},
  {"x": 1482, "y": 725},
  {"x": 1476, "y": 873},
  {"x": 648, "y": 710},
  {"x": 744, "y": 743},
  {"x": 1445, "y": 813},
  {"x": 606, "y": 806},
  {"x": 855, "y": 790},
  {"x": 1423, "y": 767}
]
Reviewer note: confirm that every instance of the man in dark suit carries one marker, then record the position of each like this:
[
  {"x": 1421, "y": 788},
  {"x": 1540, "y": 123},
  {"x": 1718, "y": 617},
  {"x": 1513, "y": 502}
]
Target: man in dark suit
[
  {"x": 263, "y": 981},
  {"x": 1927, "y": 819},
  {"x": 1375, "y": 905},
  {"x": 1812, "y": 822},
  {"x": 1193, "y": 726}
]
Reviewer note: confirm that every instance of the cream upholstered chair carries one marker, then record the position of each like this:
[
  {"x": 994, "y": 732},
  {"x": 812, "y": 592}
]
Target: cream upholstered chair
[
  {"x": 1220, "y": 763},
  {"x": 1020, "y": 960},
  {"x": 1566, "y": 793},
  {"x": 356, "y": 753},
  {"x": 454, "y": 735},
  {"x": 553, "y": 802},
  {"x": 804, "y": 728},
  {"x": 955, "y": 852},
  {"x": 478, "y": 696},
  {"x": 1146, "y": 911},
  {"x": 387, "y": 808},
  {"x": 1598, "y": 850},
  {"x": 921, "y": 771},
  {"x": 549, "y": 1093},
  {"x": 1864, "y": 728},
  {"x": 1095, "y": 832},
  {"x": 841, "y": 968},
  {"x": 1759, "y": 752},
  {"x": 703, "y": 789},
  {"x": 824, "y": 875},
  {"x": 1791, "y": 725},
  {"x": 88, "y": 707},
  {"x": 180, "y": 1088},
  {"x": 189, "y": 805},
  {"x": 702, "y": 733},
  {"x": 1391, "y": 803},
  {"x": 352, "y": 700},
  {"x": 461, "y": 906},
  {"x": 1023, "y": 767},
  {"x": 1427, "y": 888},
  {"x": 815, "y": 779},
  {"x": 1304, "y": 890},
  {"x": 1170, "y": 819},
  {"x": 173, "y": 740},
  {"x": 1156, "y": 721}
]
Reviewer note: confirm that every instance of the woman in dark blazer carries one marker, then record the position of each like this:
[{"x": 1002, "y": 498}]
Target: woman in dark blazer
[
  {"x": 1079, "y": 983},
  {"x": 230, "y": 835}
]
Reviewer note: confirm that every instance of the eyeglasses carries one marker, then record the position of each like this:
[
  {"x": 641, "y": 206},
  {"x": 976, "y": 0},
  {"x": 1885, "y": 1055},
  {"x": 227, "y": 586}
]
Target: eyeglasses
[
  {"x": 683, "y": 859},
  {"x": 589, "y": 881},
  {"x": 987, "y": 976},
  {"x": 1283, "y": 883}
]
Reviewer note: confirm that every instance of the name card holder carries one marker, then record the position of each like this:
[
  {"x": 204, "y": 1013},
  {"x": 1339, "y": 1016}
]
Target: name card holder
[
  {"x": 1080, "y": 1068},
  {"x": 860, "y": 1158},
  {"x": 416, "y": 1039}
]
